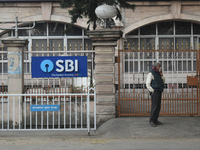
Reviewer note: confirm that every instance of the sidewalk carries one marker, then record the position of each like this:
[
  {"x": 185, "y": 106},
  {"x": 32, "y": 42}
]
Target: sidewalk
[
  {"x": 138, "y": 127},
  {"x": 118, "y": 133}
]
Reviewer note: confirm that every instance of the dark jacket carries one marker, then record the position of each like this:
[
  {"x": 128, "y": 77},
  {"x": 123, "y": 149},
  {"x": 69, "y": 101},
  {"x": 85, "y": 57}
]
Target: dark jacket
[{"x": 157, "y": 84}]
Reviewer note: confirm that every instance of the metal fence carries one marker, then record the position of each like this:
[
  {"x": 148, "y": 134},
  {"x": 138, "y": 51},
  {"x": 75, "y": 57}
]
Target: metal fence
[
  {"x": 76, "y": 111},
  {"x": 77, "y": 102},
  {"x": 181, "y": 91}
]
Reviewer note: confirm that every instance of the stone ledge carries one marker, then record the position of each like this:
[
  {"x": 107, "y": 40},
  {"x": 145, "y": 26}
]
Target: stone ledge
[
  {"x": 105, "y": 44},
  {"x": 104, "y": 50},
  {"x": 105, "y": 89},
  {"x": 104, "y": 34},
  {"x": 105, "y": 99},
  {"x": 105, "y": 79},
  {"x": 108, "y": 109},
  {"x": 109, "y": 69},
  {"x": 14, "y": 42},
  {"x": 104, "y": 59}
]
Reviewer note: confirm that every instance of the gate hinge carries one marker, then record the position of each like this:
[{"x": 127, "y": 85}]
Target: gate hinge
[{"x": 117, "y": 59}]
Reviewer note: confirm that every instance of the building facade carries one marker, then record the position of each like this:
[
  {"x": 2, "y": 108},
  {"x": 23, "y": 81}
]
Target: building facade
[{"x": 153, "y": 25}]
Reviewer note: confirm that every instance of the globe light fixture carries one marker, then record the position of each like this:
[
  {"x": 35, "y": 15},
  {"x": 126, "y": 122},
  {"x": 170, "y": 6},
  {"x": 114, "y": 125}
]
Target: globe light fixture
[{"x": 106, "y": 13}]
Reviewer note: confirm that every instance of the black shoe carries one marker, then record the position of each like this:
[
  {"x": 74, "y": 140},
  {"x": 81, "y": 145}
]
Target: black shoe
[
  {"x": 152, "y": 124},
  {"x": 158, "y": 123}
]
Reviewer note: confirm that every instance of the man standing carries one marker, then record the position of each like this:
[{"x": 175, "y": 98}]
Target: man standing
[{"x": 155, "y": 85}]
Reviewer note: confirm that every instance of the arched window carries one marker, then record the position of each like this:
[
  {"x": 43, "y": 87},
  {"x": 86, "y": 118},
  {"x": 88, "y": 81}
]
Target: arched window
[
  {"x": 167, "y": 35},
  {"x": 50, "y": 36},
  {"x": 54, "y": 36}
]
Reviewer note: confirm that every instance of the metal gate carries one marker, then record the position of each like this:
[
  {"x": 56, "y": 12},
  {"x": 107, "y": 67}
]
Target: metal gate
[
  {"x": 56, "y": 111},
  {"x": 181, "y": 91}
]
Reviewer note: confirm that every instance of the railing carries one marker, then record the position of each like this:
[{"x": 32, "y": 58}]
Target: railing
[
  {"x": 76, "y": 111},
  {"x": 181, "y": 89}
]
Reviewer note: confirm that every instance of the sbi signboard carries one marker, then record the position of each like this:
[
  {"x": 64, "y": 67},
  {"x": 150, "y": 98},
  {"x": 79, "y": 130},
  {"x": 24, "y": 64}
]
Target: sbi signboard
[{"x": 59, "y": 66}]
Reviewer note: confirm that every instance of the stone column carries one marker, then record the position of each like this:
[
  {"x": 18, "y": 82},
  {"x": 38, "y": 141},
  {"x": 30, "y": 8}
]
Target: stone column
[
  {"x": 15, "y": 47},
  {"x": 104, "y": 42}
]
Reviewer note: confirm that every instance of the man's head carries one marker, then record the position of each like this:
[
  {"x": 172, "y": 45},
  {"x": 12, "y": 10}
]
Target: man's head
[{"x": 157, "y": 65}]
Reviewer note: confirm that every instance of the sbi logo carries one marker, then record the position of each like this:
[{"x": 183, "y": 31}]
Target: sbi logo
[
  {"x": 61, "y": 65},
  {"x": 47, "y": 65}
]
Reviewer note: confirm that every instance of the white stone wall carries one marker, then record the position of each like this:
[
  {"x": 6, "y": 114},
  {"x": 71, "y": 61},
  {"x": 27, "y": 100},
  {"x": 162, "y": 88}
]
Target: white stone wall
[
  {"x": 44, "y": 11},
  {"x": 149, "y": 12},
  {"x": 144, "y": 13}
]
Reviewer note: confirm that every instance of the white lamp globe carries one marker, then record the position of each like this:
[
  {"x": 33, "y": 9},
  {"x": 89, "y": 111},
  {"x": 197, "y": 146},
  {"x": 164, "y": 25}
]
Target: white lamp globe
[{"x": 105, "y": 11}]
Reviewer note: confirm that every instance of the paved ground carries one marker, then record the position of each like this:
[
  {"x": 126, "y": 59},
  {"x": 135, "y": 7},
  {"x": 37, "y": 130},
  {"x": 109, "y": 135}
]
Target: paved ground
[{"x": 131, "y": 133}]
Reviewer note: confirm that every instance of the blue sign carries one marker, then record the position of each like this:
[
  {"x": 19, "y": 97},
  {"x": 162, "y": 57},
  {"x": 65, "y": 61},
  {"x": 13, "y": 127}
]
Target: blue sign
[
  {"x": 59, "y": 66},
  {"x": 45, "y": 107}
]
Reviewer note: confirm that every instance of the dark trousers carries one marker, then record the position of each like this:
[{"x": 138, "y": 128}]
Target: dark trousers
[{"x": 155, "y": 107}]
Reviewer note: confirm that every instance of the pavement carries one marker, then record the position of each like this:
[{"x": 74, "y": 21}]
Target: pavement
[{"x": 126, "y": 133}]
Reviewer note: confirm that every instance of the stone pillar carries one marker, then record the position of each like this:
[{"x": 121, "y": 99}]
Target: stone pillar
[
  {"x": 15, "y": 47},
  {"x": 104, "y": 42}
]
